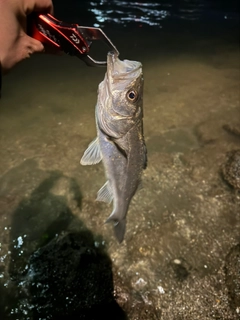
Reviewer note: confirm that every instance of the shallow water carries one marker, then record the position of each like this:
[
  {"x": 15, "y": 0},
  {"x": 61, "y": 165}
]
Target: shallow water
[{"x": 185, "y": 220}]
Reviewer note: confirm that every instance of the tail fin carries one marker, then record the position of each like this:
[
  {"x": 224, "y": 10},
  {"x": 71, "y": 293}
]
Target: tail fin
[{"x": 119, "y": 227}]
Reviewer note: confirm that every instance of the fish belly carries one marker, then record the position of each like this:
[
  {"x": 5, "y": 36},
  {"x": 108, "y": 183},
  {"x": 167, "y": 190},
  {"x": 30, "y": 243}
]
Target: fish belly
[{"x": 115, "y": 165}]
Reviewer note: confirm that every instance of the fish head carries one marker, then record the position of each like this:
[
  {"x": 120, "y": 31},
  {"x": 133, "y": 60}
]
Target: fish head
[{"x": 125, "y": 86}]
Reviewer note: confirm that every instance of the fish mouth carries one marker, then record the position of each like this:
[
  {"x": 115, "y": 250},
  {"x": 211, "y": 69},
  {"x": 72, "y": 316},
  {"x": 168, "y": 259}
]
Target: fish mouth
[{"x": 118, "y": 69}]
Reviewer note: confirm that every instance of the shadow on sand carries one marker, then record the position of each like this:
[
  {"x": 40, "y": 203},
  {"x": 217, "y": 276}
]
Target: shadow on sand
[{"x": 58, "y": 268}]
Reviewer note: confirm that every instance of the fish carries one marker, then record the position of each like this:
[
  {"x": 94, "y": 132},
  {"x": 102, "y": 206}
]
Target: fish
[{"x": 120, "y": 143}]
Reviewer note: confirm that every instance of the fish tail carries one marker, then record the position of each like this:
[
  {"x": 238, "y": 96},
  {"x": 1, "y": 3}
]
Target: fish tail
[{"x": 119, "y": 227}]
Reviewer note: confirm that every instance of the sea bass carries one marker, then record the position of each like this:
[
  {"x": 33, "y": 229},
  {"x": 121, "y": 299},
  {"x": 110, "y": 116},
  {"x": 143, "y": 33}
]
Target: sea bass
[{"x": 120, "y": 141}]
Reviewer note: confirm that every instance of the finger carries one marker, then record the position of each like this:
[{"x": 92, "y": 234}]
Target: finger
[
  {"x": 23, "y": 49},
  {"x": 44, "y": 6}
]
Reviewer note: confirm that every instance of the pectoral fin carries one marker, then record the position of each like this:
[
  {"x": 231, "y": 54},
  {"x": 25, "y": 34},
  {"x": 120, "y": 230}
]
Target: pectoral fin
[
  {"x": 92, "y": 154},
  {"x": 105, "y": 193}
]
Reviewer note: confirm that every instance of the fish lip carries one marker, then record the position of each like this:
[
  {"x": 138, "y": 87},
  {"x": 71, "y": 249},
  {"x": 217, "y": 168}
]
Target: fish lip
[
  {"x": 111, "y": 58},
  {"x": 117, "y": 69}
]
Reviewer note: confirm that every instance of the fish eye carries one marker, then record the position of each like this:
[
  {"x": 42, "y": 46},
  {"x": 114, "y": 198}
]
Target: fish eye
[{"x": 132, "y": 95}]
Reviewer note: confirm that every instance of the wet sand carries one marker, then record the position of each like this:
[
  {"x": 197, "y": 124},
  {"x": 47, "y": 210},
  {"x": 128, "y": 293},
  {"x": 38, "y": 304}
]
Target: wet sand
[{"x": 186, "y": 219}]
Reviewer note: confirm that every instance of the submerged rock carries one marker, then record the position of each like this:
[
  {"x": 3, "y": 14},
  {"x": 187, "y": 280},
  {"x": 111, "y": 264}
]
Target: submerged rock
[
  {"x": 232, "y": 271},
  {"x": 71, "y": 277},
  {"x": 234, "y": 130},
  {"x": 181, "y": 269},
  {"x": 231, "y": 169},
  {"x": 137, "y": 305}
]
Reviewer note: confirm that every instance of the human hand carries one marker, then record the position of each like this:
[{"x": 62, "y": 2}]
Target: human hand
[{"x": 15, "y": 44}]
